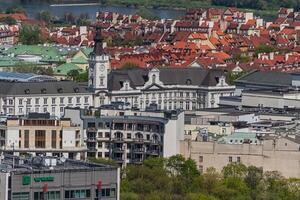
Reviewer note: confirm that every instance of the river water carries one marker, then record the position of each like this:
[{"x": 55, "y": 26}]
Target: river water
[{"x": 33, "y": 8}]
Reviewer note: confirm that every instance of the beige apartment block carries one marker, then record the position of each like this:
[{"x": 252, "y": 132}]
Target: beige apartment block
[
  {"x": 42, "y": 135},
  {"x": 281, "y": 154}
]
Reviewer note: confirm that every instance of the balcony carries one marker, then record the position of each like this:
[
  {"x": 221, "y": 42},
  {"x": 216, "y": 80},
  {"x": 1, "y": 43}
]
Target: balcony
[
  {"x": 91, "y": 140},
  {"x": 118, "y": 150},
  {"x": 118, "y": 140},
  {"x": 118, "y": 159},
  {"x": 91, "y": 129},
  {"x": 153, "y": 152},
  {"x": 137, "y": 160},
  {"x": 139, "y": 150},
  {"x": 155, "y": 142},
  {"x": 138, "y": 140},
  {"x": 92, "y": 149}
]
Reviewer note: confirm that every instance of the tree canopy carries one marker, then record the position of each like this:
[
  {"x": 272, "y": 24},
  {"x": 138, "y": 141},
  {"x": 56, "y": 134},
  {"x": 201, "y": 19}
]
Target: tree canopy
[
  {"x": 30, "y": 35},
  {"x": 178, "y": 178}
]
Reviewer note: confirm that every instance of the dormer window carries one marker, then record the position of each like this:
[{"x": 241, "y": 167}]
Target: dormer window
[
  {"x": 153, "y": 78},
  {"x": 76, "y": 90},
  {"x": 59, "y": 90},
  {"x": 43, "y": 91},
  {"x": 27, "y": 91},
  {"x": 188, "y": 82}
]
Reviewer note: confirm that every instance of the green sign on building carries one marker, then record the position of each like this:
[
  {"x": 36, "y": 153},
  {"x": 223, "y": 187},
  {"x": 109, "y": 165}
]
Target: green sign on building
[
  {"x": 26, "y": 180},
  {"x": 44, "y": 179}
]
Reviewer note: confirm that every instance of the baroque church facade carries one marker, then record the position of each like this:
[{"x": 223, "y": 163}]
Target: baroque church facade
[{"x": 168, "y": 88}]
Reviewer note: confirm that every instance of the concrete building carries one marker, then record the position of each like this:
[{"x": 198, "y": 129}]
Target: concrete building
[
  {"x": 40, "y": 134},
  {"x": 280, "y": 154},
  {"x": 130, "y": 136},
  {"x": 52, "y": 178}
]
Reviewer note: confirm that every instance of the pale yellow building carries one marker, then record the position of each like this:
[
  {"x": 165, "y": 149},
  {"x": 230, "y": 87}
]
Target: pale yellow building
[{"x": 281, "y": 154}]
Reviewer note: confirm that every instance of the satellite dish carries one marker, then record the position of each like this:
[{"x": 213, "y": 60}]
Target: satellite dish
[{"x": 63, "y": 159}]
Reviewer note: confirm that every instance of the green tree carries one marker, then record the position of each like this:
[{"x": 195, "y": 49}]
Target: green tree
[
  {"x": 15, "y": 9},
  {"x": 8, "y": 20},
  {"x": 45, "y": 16},
  {"x": 146, "y": 14},
  {"x": 30, "y": 35},
  {"x": 263, "y": 48}
]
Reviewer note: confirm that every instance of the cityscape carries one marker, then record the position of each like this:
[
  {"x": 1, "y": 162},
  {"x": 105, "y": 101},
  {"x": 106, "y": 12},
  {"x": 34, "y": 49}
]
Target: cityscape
[{"x": 140, "y": 100}]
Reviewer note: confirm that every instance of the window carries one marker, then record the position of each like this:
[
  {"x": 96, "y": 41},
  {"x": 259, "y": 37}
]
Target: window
[
  {"x": 45, "y": 101},
  {"x": 101, "y": 81},
  {"x": 201, "y": 168},
  {"x": 107, "y": 192},
  {"x": 20, "y": 196},
  {"x": 187, "y": 105},
  {"x": 40, "y": 139},
  {"x": 200, "y": 158},
  {"x": 86, "y": 99},
  {"x": 100, "y": 145},
  {"x": 10, "y": 101},
  {"x": 53, "y": 100},
  {"x": 26, "y": 139},
  {"x": 45, "y": 109},
  {"x": 77, "y": 194},
  {"x": 20, "y": 101},
  {"x": 78, "y": 100},
  {"x": 37, "y": 109},
  {"x": 53, "y": 110},
  {"x": 61, "y": 109},
  {"x": 238, "y": 159},
  {"x": 53, "y": 139},
  {"x": 153, "y": 78},
  {"x": 20, "y": 110},
  {"x": 230, "y": 159},
  {"x": 70, "y": 99},
  {"x": 128, "y": 135},
  {"x": 181, "y": 104},
  {"x": 37, "y": 100},
  {"x": 51, "y": 195},
  {"x": 28, "y": 101},
  {"x": 61, "y": 100},
  {"x": 107, "y": 134}
]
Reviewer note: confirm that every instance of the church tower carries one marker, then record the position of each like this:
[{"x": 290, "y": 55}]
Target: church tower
[{"x": 99, "y": 65}]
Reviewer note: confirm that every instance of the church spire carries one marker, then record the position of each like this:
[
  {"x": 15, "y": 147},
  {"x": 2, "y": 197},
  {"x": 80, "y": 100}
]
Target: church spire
[{"x": 98, "y": 40}]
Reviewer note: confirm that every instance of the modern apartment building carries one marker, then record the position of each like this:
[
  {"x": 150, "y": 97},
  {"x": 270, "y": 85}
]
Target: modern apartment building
[
  {"x": 40, "y": 134},
  {"x": 52, "y": 178},
  {"x": 130, "y": 136}
]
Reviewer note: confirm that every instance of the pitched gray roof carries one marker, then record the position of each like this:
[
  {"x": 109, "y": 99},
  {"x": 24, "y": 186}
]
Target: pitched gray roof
[
  {"x": 51, "y": 87},
  {"x": 267, "y": 78},
  {"x": 169, "y": 76}
]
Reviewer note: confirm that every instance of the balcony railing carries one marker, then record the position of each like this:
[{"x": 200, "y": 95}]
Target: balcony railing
[
  {"x": 91, "y": 129},
  {"x": 118, "y": 150},
  {"x": 118, "y": 139},
  {"x": 139, "y": 150},
  {"x": 153, "y": 152},
  {"x": 91, "y": 139},
  {"x": 92, "y": 149},
  {"x": 137, "y": 160},
  {"x": 138, "y": 140}
]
